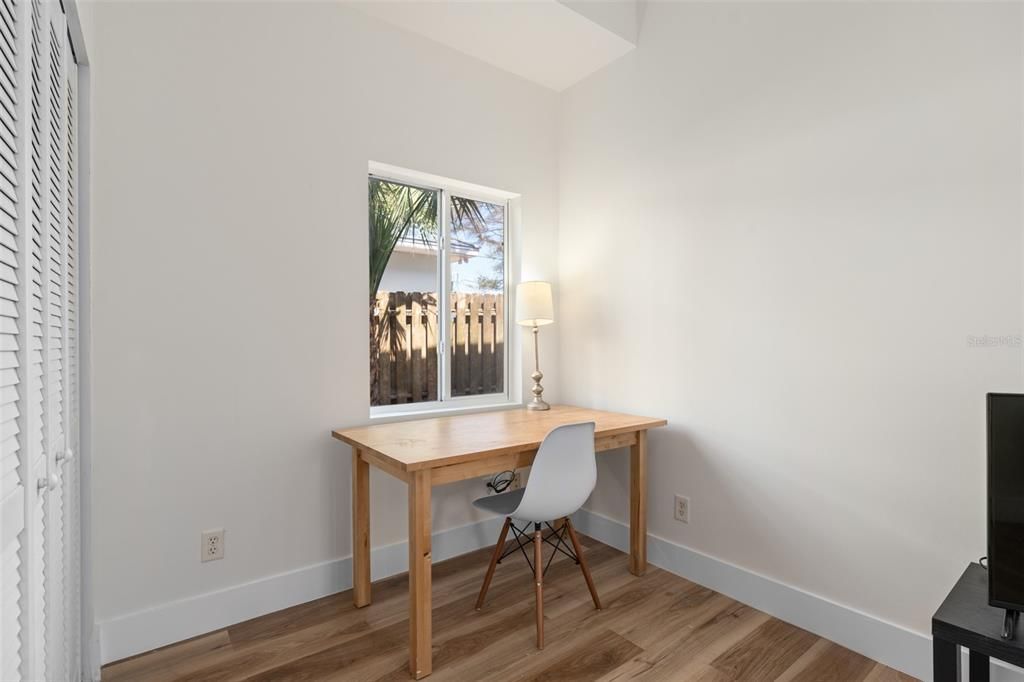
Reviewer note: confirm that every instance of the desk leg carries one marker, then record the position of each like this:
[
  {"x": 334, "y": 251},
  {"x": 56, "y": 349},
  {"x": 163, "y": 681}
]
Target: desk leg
[
  {"x": 420, "y": 664},
  {"x": 638, "y": 505},
  {"x": 978, "y": 667},
  {"x": 945, "y": 660},
  {"x": 360, "y": 530}
]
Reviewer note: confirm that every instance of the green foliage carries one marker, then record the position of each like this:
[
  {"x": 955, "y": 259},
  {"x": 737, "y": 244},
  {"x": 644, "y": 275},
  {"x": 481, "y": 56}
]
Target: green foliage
[
  {"x": 484, "y": 283},
  {"x": 393, "y": 209}
]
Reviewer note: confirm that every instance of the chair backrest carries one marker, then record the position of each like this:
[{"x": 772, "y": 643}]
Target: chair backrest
[{"x": 563, "y": 475}]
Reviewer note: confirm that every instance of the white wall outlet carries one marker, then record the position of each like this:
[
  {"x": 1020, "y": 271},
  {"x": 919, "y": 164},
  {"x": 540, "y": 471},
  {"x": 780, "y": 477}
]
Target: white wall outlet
[
  {"x": 213, "y": 545},
  {"x": 682, "y": 511},
  {"x": 517, "y": 482}
]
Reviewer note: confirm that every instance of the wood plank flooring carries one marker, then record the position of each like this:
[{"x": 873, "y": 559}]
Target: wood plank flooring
[{"x": 659, "y": 627}]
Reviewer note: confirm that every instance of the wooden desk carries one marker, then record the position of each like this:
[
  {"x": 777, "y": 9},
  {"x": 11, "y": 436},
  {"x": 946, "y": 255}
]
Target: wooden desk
[{"x": 429, "y": 452}]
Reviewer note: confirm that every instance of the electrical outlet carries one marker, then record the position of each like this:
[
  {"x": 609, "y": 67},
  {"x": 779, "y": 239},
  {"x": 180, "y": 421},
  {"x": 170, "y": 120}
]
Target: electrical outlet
[
  {"x": 501, "y": 479},
  {"x": 213, "y": 545},
  {"x": 682, "y": 512}
]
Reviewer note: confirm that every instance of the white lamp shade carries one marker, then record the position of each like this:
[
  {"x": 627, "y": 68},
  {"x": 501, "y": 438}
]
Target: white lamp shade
[{"x": 533, "y": 304}]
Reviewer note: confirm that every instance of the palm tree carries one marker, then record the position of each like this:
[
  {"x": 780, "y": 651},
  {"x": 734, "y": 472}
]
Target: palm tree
[{"x": 393, "y": 209}]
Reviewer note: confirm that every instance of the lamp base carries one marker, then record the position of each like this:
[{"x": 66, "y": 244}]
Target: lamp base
[
  {"x": 538, "y": 391},
  {"x": 537, "y": 405}
]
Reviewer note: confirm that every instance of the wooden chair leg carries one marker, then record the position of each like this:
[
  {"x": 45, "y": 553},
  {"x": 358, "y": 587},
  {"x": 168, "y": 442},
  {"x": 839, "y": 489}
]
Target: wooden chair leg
[
  {"x": 494, "y": 562},
  {"x": 538, "y": 575},
  {"x": 583, "y": 563}
]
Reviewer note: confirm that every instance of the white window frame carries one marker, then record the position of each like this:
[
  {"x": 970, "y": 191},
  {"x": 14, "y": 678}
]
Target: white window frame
[{"x": 446, "y": 187}]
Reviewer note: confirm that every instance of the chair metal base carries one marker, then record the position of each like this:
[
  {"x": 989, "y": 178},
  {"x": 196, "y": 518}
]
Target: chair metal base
[{"x": 537, "y": 540}]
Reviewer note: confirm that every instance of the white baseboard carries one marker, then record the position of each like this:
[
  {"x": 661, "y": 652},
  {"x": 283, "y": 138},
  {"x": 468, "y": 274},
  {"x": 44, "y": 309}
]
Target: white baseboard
[
  {"x": 893, "y": 645},
  {"x": 158, "y": 626}
]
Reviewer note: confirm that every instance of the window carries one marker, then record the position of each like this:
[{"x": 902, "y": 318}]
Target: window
[{"x": 438, "y": 283}]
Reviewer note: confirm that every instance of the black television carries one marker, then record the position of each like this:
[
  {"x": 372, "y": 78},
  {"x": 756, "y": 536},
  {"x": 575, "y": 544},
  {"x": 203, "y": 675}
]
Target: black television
[{"x": 1006, "y": 506}]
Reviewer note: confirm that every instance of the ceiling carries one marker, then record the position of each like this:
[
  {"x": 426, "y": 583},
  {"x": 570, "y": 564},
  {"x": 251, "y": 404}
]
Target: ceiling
[{"x": 554, "y": 43}]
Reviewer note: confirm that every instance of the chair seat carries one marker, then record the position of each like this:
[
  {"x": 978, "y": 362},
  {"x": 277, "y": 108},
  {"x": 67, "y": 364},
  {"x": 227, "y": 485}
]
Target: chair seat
[{"x": 503, "y": 503}]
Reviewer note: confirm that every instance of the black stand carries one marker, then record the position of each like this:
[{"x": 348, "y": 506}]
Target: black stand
[
  {"x": 1010, "y": 624},
  {"x": 966, "y": 620}
]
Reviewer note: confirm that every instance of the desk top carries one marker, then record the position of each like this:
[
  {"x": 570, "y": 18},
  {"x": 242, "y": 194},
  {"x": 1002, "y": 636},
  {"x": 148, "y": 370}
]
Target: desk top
[
  {"x": 441, "y": 441},
  {"x": 966, "y": 619}
]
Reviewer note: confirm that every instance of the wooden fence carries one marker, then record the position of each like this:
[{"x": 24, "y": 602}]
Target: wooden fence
[{"x": 404, "y": 346}]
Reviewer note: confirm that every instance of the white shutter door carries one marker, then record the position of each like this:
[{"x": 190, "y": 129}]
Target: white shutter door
[
  {"x": 72, "y": 480},
  {"x": 40, "y": 605},
  {"x": 33, "y": 566},
  {"x": 12, "y": 452},
  {"x": 55, "y": 385}
]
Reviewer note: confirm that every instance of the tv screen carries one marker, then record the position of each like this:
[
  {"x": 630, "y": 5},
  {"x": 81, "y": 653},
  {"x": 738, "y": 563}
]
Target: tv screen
[{"x": 1006, "y": 500}]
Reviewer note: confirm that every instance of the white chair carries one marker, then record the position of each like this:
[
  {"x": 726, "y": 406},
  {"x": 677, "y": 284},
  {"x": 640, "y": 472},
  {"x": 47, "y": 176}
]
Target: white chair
[{"x": 563, "y": 476}]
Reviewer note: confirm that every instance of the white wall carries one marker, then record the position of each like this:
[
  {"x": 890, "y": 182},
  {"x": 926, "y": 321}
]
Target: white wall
[
  {"x": 229, "y": 255},
  {"x": 779, "y": 224}
]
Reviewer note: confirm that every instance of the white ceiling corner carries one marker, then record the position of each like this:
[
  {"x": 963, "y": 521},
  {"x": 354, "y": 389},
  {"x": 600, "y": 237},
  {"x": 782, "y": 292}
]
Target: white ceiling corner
[{"x": 554, "y": 43}]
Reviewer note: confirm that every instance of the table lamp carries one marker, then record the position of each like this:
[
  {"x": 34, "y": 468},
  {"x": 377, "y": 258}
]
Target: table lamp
[{"x": 535, "y": 309}]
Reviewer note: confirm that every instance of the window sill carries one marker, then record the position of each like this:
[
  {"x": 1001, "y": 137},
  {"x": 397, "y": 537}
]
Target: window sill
[{"x": 433, "y": 410}]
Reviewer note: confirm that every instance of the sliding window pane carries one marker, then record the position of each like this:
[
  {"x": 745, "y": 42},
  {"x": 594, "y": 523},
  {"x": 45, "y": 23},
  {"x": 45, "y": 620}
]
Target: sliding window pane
[
  {"x": 404, "y": 293},
  {"x": 476, "y": 256}
]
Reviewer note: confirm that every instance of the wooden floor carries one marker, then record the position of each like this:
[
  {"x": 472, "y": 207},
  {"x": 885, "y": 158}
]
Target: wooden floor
[{"x": 658, "y": 627}]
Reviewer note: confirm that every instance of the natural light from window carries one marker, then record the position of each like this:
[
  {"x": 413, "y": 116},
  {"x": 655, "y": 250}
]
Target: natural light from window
[{"x": 435, "y": 248}]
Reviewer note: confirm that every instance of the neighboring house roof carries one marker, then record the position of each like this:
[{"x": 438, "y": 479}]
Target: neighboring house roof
[{"x": 417, "y": 242}]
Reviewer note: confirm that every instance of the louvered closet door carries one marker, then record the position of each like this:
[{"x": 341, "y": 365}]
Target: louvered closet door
[
  {"x": 40, "y": 625},
  {"x": 12, "y": 353},
  {"x": 55, "y": 364},
  {"x": 71, "y": 490},
  {"x": 33, "y": 565}
]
